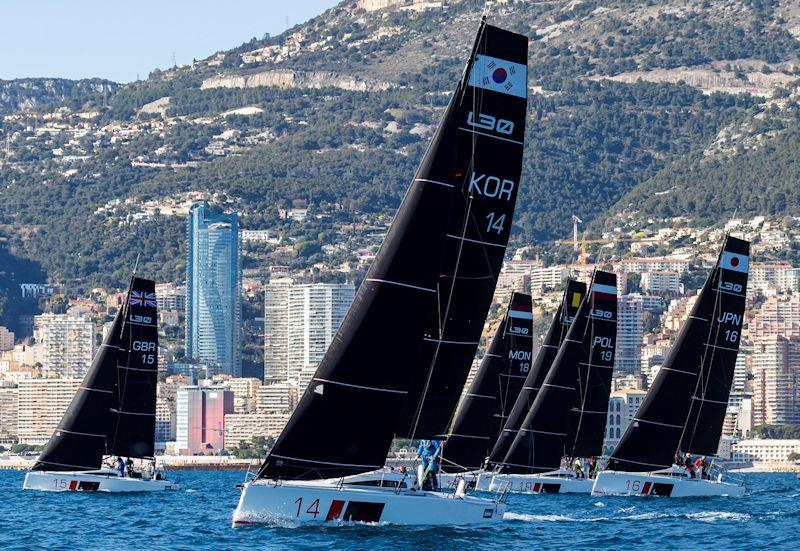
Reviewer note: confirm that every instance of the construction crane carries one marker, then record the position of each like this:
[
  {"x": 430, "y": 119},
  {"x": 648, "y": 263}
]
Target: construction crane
[{"x": 575, "y": 222}]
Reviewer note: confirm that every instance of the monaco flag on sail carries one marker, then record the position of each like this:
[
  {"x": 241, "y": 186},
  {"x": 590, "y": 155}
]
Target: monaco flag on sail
[
  {"x": 499, "y": 75},
  {"x": 735, "y": 262},
  {"x": 520, "y": 311}
]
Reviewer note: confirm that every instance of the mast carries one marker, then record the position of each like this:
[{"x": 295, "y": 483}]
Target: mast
[
  {"x": 90, "y": 427},
  {"x": 547, "y": 434},
  {"x": 489, "y": 127},
  {"x": 574, "y": 292},
  {"x": 685, "y": 408},
  {"x": 458, "y": 203},
  {"x": 494, "y": 390}
]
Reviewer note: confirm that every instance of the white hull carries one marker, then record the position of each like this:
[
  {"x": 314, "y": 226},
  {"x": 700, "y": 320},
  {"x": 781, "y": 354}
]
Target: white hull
[
  {"x": 100, "y": 481},
  {"x": 668, "y": 483},
  {"x": 476, "y": 480},
  {"x": 329, "y": 501},
  {"x": 558, "y": 482}
]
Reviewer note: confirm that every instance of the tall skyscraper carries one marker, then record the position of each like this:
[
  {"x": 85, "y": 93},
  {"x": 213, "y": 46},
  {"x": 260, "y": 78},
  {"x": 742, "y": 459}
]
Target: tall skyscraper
[
  {"x": 300, "y": 320},
  {"x": 214, "y": 289}
]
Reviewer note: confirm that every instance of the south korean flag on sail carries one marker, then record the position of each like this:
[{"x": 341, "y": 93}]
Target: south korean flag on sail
[{"x": 499, "y": 75}]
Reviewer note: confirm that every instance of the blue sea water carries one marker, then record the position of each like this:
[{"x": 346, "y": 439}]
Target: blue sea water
[{"x": 199, "y": 517}]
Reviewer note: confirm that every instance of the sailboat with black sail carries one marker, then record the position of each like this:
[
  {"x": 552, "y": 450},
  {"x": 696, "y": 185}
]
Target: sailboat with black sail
[
  {"x": 113, "y": 412},
  {"x": 385, "y": 365},
  {"x": 684, "y": 410},
  {"x": 568, "y": 417},
  {"x": 497, "y": 383},
  {"x": 574, "y": 291}
]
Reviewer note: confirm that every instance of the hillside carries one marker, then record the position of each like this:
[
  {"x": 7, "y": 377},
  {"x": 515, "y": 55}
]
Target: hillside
[
  {"x": 629, "y": 98},
  {"x": 40, "y": 93}
]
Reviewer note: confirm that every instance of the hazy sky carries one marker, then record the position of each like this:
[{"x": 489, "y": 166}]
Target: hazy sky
[{"x": 120, "y": 39}]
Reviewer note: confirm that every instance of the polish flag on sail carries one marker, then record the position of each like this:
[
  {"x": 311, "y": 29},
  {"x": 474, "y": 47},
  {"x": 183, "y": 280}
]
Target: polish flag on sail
[{"x": 735, "y": 262}]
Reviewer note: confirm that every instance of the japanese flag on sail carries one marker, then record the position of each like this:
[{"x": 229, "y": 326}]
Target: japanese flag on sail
[
  {"x": 520, "y": 312},
  {"x": 499, "y": 75},
  {"x": 735, "y": 262}
]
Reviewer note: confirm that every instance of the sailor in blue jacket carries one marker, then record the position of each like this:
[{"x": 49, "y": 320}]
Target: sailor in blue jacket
[{"x": 429, "y": 453}]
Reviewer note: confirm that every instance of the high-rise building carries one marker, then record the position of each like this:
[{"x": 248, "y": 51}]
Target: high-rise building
[
  {"x": 42, "y": 403},
  {"x": 630, "y": 331},
  {"x": 68, "y": 344},
  {"x": 6, "y": 339},
  {"x": 776, "y": 382},
  {"x": 214, "y": 289},
  {"x": 201, "y": 419},
  {"x": 9, "y": 410},
  {"x": 244, "y": 393},
  {"x": 300, "y": 321},
  {"x": 661, "y": 282}
]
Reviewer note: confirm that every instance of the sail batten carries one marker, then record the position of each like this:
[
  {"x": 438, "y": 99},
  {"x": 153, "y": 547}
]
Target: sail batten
[
  {"x": 685, "y": 408},
  {"x": 413, "y": 312}
]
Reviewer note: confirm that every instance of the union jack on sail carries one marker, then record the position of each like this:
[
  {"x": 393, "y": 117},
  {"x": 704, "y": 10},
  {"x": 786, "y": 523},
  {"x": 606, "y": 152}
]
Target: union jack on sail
[{"x": 143, "y": 299}]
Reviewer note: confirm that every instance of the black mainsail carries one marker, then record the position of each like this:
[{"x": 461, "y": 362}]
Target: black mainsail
[
  {"x": 488, "y": 133},
  {"x": 685, "y": 408},
  {"x": 574, "y": 292},
  {"x": 437, "y": 266},
  {"x": 113, "y": 412},
  {"x": 497, "y": 383},
  {"x": 585, "y": 361}
]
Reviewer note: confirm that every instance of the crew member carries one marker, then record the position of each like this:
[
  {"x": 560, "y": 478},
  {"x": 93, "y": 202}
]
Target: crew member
[
  {"x": 429, "y": 454},
  {"x": 121, "y": 467}
]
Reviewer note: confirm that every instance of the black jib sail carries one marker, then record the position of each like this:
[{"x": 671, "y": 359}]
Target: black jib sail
[
  {"x": 497, "y": 383},
  {"x": 459, "y": 203},
  {"x": 487, "y": 136},
  {"x": 574, "y": 292},
  {"x": 685, "y": 408},
  {"x": 546, "y": 435},
  {"x": 93, "y": 425}
]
